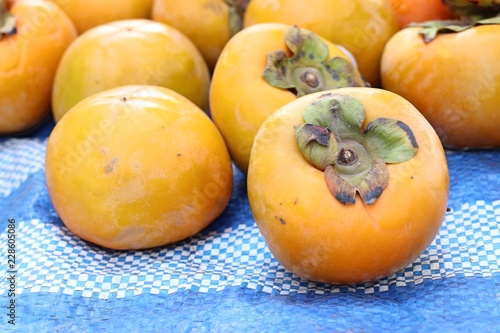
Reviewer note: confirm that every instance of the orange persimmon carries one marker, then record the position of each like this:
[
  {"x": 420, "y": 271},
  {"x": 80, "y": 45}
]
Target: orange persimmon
[
  {"x": 30, "y": 51},
  {"x": 453, "y": 79},
  {"x": 128, "y": 52},
  {"x": 347, "y": 185},
  {"x": 87, "y": 14},
  {"x": 137, "y": 167},
  {"x": 262, "y": 68},
  {"x": 361, "y": 26},
  {"x": 208, "y": 23},
  {"x": 413, "y": 11}
]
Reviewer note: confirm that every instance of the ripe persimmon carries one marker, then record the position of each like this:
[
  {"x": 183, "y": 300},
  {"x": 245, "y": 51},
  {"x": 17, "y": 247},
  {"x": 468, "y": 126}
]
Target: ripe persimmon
[
  {"x": 347, "y": 185},
  {"x": 262, "y": 68},
  {"x": 208, "y": 23},
  {"x": 130, "y": 52},
  {"x": 34, "y": 35},
  {"x": 361, "y": 26},
  {"x": 414, "y": 11},
  {"x": 451, "y": 77},
  {"x": 87, "y": 14},
  {"x": 137, "y": 167}
]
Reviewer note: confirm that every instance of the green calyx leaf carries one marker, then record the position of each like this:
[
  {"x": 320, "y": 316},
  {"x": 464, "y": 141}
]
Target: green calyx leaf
[
  {"x": 309, "y": 70},
  {"x": 390, "y": 140},
  {"x": 370, "y": 186},
  {"x": 330, "y": 113},
  {"x": 471, "y": 13},
  {"x": 7, "y": 21},
  {"x": 318, "y": 148},
  {"x": 353, "y": 160},
  {"x": 237, "y": 9},
  {"x": 430, "y": 29}
]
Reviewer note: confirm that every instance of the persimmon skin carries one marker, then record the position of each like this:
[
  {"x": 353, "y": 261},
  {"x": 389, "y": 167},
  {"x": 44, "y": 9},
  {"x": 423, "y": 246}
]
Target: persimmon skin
[
  {"x": 205, "y": 22},
  {"x": 128, "y": 52},
  {"x": 414, "y": 11},
  {"x": 320, "y": 239},
  {"x": 137, "y": 167},
  {"x": 454, "y": 81},
  {"x": 26, "y": 76},
  {"x": 361, "y": 26},
  {"x": 240, "y": 98},
  {"x": 87, "y": 14}
]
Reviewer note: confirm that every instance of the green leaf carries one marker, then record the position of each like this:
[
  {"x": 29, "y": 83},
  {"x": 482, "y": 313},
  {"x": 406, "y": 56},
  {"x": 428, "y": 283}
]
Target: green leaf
[
  {"x": 306, "y": 46},
  {"x": 308, "y": 70},
  {"x": 317, "y": 145},
  {"x": 390, "y": 140},
  {"x": 354, "y": 161},
  {"x": 339, "y": 72},
  {"x": 430, "y": 29},
  {"x": 369, "y": 185},
  {"x": 341, "y": 114},
  {"x": 276, "y": 71},
  {"x": 342, "y": 190},
  {"x": 374, "y": 182}
]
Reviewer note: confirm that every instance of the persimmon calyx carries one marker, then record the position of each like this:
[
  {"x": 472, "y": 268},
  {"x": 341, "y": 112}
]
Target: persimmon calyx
[
  {"x": 7, "y": 21},
  {"x": 430, "y": 29},
  {"x": 473, "y": 10},
  {"x": 353, "y": 160},
  {"x": 309, "y": 70},
  {"x": 237, "y": 9}
]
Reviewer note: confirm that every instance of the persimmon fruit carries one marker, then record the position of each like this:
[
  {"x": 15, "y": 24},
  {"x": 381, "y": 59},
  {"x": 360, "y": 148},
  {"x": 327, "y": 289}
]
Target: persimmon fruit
[
  {"x": 87, "y": 14},
  {"x": 137, "y": 167},
  {"x": 361, "y": 26},
  {"x": 452, "y": 78},
  {"x": 208, "y": 23},
  {"x": 130, "y": 52},
  {"x": 262, "y": 68},
  {"x": 31, "y": 48},
  {"x": 414, "y": 11},
  {"x": 347, "y": 185}
]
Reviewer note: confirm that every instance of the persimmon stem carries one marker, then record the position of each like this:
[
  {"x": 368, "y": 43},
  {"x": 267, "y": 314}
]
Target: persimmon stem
[
  {"x": 347, "y": 157},
  {"x": 310, "y": 79}
]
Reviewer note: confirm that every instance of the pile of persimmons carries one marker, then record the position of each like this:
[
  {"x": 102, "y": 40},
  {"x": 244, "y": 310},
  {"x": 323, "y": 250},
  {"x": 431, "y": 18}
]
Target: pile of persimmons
[{"x": 338, "y": 113}]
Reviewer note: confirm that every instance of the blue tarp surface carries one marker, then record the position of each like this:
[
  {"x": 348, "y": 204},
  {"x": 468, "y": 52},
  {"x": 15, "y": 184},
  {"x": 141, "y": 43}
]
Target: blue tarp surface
[{"x": 225, "y": 279}]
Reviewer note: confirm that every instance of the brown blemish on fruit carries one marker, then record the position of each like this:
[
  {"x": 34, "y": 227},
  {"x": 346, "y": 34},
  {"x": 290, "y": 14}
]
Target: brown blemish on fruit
[
  {"x": 108, "y": 168},
  {"x": 280, "y": 219}
]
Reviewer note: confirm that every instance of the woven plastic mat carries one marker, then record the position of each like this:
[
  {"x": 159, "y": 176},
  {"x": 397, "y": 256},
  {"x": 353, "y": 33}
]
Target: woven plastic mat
[{"x": 225, "y": 279}]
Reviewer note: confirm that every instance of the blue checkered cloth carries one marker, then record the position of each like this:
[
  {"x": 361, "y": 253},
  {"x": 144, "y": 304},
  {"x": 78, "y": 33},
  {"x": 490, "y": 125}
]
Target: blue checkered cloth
[{"x": 225, "y": 278}]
